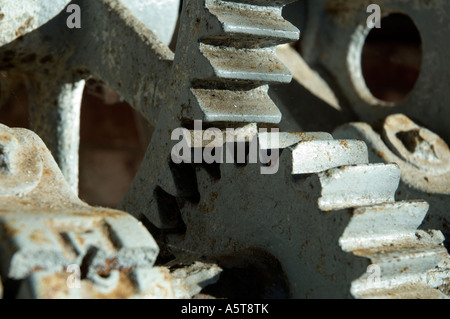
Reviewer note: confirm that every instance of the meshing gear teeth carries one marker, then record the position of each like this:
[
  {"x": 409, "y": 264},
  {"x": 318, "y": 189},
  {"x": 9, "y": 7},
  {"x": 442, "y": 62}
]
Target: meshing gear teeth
[
  {"x": 281, "y": 214},
  {"x": 295, "y": 228},
  {"x": 213, "y": 88},
  {"x": 317, "y": 211},
  {"x": 231, "y": 58}
]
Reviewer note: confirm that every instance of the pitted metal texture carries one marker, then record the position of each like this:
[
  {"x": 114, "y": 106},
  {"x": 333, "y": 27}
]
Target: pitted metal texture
[{"x": 304, "y": 228}]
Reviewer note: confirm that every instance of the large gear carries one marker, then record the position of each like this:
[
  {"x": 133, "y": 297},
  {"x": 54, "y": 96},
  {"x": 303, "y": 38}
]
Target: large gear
[{"x": 298, "y": 233}]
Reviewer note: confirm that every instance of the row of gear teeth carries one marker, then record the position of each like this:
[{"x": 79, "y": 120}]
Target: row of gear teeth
[
  {"x": 320, "y": 178},
  {"x": 223, "y": 65},
  {"x": 326, "y": 200},
  {"x": 230, "y": 50}
]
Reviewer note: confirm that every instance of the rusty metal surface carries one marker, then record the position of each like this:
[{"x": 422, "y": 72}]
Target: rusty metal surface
[
  {"x": 298, "y": 223},
  {"x": 304, "y": 229},
  {"x": 45, "y": 227},
  {"x": 49, "y": 236},
  {"x": 335, "y": 32}
]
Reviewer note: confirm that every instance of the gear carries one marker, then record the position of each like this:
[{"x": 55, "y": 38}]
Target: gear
[
  {"x": 199, "y": 210},
  {"x": 285, "y": 235}
]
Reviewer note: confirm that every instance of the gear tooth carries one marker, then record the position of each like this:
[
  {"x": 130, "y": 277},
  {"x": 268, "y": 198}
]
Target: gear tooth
[
  {"x": 237, "y": 106},
  {"x": 401, "y": 254},
  {"x": 383, "y": 225},
  {"x": 250, "y": 24},
  {"x": 235, "y": 59},
  {"x": 354, "y": 186},
  {"x": 406, "y": 291},
  {"x": 291, "y": 140},
  {"x": 255, "y": 65},
  {"x": 318, "y": 156},
  {"x": 397, "y": 271}
]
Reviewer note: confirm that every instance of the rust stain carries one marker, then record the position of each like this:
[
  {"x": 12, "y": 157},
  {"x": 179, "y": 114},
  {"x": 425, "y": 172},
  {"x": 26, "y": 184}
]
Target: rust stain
[
  {"x": 55, "y": 286},
  {"x": 24, "y": 202},
  {"x": 124, "y": 289},
  {"x": 80, "y": 240},
  {"x": 47, "y": 172},
  {"x": 303, "y": 136},
  {"x": 344, "y": 144},
  {"x": 22, "y": 29},
  {"x": 38, "y": 237},
  {"x": 110, "y": 265},
  {"x": 37, "y": 268}
]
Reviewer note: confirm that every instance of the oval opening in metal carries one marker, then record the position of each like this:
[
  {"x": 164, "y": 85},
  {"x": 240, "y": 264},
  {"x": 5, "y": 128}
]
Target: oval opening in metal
[{"x": 391, "y": 58}]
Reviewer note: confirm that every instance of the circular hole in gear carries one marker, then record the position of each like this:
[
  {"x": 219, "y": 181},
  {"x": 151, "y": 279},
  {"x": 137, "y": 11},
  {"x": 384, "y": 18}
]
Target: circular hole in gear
[{"x": 391, "y": 58}]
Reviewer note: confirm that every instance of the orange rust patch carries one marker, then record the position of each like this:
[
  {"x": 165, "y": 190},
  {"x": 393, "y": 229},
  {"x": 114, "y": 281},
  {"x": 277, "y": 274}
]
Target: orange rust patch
[
  {"x": 303, "y": 136},
  {"x": 47, "y": 172},
  {"x": 344, "y": 144},
  {"x": 24, "y": 202},
  {"x": 110, "y": 265},
  {"x": 55, "y": 286},
  {"x": 80, "y": 240},
  {"x": 124, "y": 290},
  {"x": 22, "y": 29},
  {"x": 38, "y": 237},
  {"x": 37, "y": 268}
]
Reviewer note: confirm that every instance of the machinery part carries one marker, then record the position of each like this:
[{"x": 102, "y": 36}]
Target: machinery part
[
  {"x": 404, "y": 259},
  {"x": 212, "y": 88},
  {"x": 160, "y": 16},
  {"x": 138, "y": 283},
  {"x": 335, "y": 34},
  {"x": 147, "y": 283},
  {"x": 46, "y": 230},
  {"x": 190, "y": 207},
  {"x": 424, "y": 158},
  {"x": 21, "y": 18},
  {"x": 46, "y": 227},
  {"x": 221, "y": 70},
  {"x": 55, "y": 59},
  {"x": 191, "y": 280},
  {"x": 307, "y": 241}
]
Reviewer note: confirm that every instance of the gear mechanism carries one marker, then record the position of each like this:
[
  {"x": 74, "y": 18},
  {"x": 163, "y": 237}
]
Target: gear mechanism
[{"x": 299, "y": 233}]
